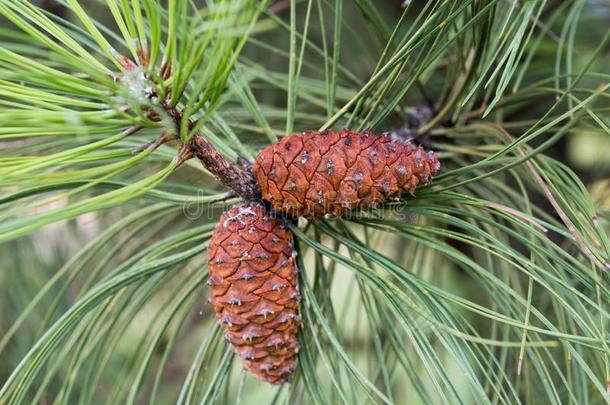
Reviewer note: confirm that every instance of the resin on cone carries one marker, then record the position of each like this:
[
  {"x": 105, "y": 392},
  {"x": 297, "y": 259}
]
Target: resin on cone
[
  {"x": 254, "y": 282},
  {"x": 332, "y": 172}
]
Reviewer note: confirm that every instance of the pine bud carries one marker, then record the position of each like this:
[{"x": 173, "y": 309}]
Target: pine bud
[
  {"x": 332, "y": 172},
  {"x": 254, "y": 281}
]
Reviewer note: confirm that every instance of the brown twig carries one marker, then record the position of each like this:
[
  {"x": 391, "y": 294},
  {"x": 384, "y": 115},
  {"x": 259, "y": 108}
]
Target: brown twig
[
  {"x": 549, "y": 194},
  {"x": 184, "y": 153},
  {"x": 153, "y": 145},
  {"x": 239, "y": 181},
  {"x": 237, "y": 177},
  {"x": 517, "y": 214}
]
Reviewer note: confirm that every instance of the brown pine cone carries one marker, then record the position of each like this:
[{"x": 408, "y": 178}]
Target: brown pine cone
[
  {"x": 332, "y": 172},
  {"x": 255, "y": 293}
]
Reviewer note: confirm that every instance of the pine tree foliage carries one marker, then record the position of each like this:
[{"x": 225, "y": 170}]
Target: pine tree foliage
[{"x": 490, "y": 286}]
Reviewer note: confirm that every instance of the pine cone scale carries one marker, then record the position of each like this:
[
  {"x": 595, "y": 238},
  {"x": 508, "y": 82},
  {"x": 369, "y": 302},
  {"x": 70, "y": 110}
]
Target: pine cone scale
[{"x": 292, "y": 148}]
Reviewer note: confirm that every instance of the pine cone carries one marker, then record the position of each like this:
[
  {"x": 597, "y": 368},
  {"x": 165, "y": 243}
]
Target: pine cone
[
  {"x": 255, "y": 294},
  {"x": 318, "y": 173}
]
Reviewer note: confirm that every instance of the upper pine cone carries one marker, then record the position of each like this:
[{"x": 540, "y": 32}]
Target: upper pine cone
[
  {"x": 332, "y": 172},
  {"x": 254, "y": 283}
]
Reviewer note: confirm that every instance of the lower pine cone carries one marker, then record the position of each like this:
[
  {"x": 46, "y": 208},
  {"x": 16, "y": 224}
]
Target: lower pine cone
[{"x": 254, "y": 281}]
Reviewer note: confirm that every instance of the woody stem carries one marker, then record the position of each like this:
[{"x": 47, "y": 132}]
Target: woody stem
[{"x": 240, "y": 182}]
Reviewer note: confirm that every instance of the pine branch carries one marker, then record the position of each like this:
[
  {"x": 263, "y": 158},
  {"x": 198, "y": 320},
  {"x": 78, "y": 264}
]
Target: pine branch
[{"x": 240, "y": 182}]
